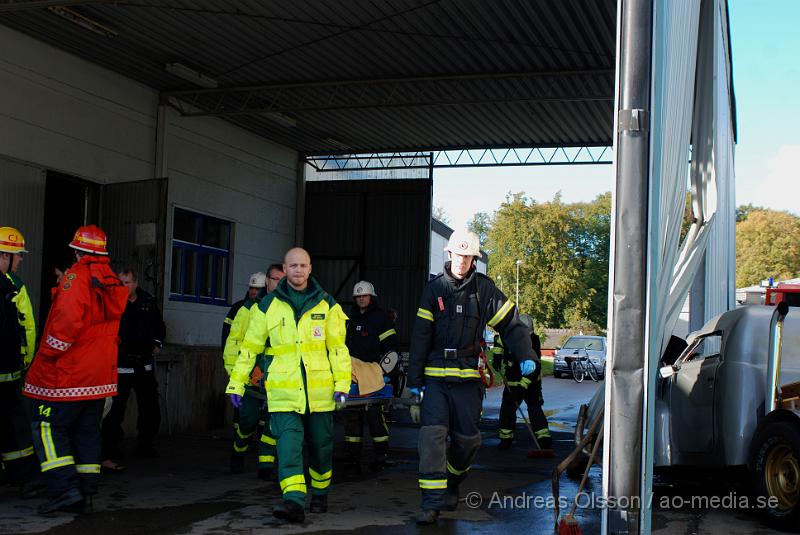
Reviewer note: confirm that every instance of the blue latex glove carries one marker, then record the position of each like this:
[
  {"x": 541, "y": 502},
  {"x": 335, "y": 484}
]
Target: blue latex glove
[
  {"x": 528, "y": 367},
  {"x": 236, "y": 400},
  {"x": 341, "y": 400},
  {"x": 414, "y": 391}
]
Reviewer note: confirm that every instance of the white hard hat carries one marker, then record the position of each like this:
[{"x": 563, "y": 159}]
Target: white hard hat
[
  {"x": 465, "y": 243},
  {"x": 364, "y": 288},
  {"x": 258, "y": 280}
]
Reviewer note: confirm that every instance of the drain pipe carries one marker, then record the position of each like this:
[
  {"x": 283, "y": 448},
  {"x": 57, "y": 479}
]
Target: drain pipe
[{"x": 774, "y": 363}]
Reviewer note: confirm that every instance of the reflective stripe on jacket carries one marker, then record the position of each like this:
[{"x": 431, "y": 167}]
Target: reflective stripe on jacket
[
  {"x": 236, "y": 335},
  {"x": 77, "y": 357},
  {"x": 26, "y": 320},
  {"x": 309, "y": 357},
  {"x": 451, "y": 319}
]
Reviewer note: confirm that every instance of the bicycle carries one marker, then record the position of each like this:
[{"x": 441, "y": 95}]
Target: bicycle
[{"x": 581, "y": 366}]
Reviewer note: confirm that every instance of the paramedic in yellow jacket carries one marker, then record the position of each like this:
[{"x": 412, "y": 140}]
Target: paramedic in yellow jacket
[
  {"x": 251, "y": 409},
  {"x": 303, "y": 330}
]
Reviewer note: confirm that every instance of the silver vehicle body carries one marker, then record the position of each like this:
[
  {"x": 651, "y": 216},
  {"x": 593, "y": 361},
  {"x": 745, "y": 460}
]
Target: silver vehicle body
[
  {"x": 595, "y": 347},
  {"x": 710, "y": 405}
]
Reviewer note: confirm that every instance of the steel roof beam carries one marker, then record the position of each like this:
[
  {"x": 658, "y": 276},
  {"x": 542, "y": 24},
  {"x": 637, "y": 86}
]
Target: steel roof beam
[
  {"x": 528, "y": 87},
  {"x": 22, "y": 5},
  {"x": 508, "y": 157}
]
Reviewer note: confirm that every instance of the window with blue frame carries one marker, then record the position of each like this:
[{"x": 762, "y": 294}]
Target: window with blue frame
[{"x": 200, "y": 258}]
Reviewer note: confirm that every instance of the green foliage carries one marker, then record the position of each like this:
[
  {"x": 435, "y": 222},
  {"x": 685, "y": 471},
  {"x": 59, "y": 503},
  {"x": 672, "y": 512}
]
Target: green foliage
[
  {"x": 564, "y": 253},
  {"x": 580, "y": 325},
  {"x": 767, "y": 245},
  {"x": 744, "y": 210},
  {"x": 480, "y": 224}
]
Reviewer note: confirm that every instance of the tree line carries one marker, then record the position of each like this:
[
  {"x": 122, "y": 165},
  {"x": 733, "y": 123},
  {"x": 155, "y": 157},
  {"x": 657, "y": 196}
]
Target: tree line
[{"x": 564, "y": 249}]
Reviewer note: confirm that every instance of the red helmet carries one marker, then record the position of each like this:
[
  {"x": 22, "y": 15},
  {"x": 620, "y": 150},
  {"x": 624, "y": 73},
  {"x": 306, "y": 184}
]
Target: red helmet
[{"x": 90, "y": 239}]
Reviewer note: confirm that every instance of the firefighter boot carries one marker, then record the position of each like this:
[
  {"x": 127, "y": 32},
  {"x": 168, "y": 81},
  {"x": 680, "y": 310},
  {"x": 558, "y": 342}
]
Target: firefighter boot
[
  {"x": 546, "y": 443},
  {"x": 70, "y": 501},
  {"x": 427, "y": 516},
  {"x": 289, "y": 511},
  {"x": 451, "y": 499},
  {"x": 319, "y": 503},
  {"x": 505, "y": 443}
]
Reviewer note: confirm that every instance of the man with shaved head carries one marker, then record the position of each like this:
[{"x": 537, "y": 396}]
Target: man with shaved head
[{"x": 301, "y": 329}]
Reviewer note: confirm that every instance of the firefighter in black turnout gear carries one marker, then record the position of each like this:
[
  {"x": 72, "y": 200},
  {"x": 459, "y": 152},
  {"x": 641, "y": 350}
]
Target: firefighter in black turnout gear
[
  {"x": 444, "y": 360},
  {"x": 141, "y": 335},
  {"x": 370, "y": 336},
  {"x": 519, "y": 388},
  {"x": 17, "y": 340}
]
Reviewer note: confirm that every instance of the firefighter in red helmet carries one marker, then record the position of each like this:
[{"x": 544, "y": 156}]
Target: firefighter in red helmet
[{"x": 75, "y": 369}]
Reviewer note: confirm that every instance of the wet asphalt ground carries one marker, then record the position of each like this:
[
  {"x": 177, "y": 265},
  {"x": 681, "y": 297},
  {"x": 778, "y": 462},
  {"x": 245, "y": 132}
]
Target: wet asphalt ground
[{"x": 189, "y": 489}]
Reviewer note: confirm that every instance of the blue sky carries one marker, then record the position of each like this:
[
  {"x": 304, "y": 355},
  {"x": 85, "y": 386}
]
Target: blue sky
[{"x": 766, "y": 69}]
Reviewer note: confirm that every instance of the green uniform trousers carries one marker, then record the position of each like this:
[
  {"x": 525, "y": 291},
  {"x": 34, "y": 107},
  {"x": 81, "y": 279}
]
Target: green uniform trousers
[
  {"x": 251, "y": 412},
  {"x": 290, "y": 429}
]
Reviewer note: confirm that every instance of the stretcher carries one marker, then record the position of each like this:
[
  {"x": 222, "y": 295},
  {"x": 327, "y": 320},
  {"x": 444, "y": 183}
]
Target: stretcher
[{"x": 384, "y": 396}]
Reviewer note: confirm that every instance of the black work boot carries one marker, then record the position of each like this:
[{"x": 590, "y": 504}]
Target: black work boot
[
  {"x": 505, "y": 443},
  {"x": 237, "y": 463},
  {"x": 289, "y": 511},
  {"x": 545, "y": 443},
  {"x": 427, "y": 516},
  {"x": 70, "y": 501},
  {"x": 452, "y": 497},
  {"x": 319, "y": 503},
  {"x": 32, "y": 488}
]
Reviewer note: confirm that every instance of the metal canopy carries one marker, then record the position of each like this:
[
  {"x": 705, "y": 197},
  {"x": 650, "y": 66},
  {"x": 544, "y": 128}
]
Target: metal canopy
[{"x": 360, "y": 75}]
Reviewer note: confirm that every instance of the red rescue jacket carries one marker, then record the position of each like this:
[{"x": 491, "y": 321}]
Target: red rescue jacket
[{"x": 77, "y": 357}]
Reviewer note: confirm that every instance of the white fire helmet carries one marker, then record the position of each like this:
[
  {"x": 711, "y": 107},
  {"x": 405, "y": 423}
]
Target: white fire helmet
[
  {"x": 258, "y": 280},
  {"x": 465, "y": 243},
  {"x": 364, "y": 288}
]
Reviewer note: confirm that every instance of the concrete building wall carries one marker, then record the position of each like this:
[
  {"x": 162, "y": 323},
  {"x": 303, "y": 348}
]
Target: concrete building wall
[
  {"x": 219, "y": 170},
  {"x": 61, "y": 113}
]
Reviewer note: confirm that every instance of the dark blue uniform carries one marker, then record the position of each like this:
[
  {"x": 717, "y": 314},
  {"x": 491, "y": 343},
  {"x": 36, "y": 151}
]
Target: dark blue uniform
[
  {"x": 370, "y": 335},
  {"x": 16, "y": 446},
  {"x": 520, "y": 389},
  {"x": 140, "y": 330},
  {"x": 445, "y": 349}
]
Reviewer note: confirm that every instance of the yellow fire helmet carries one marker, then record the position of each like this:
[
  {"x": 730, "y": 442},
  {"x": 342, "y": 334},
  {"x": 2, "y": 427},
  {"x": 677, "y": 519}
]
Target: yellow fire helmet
[{"x": 11, "y": 241}]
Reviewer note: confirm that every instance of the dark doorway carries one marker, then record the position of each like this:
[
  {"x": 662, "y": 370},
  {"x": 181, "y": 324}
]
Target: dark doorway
[{"x": 69, "y": 202}]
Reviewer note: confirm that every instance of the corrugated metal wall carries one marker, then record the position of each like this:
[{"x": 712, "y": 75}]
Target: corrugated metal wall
[
  {"x": 133, "y": 216},
  {"x": 378, "y": 230},
  {"x": 22, "y": 206}
]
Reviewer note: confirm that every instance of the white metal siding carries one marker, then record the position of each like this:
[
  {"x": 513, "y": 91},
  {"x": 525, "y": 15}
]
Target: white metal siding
[
  {"x": 22, "y": 206},
  {"x": 63, "y": 113}
]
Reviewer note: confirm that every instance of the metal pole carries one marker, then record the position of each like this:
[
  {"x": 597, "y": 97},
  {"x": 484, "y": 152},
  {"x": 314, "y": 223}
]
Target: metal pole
[
  {"x": 628, "y": 299},
  {"x": 517, "y": 301}
]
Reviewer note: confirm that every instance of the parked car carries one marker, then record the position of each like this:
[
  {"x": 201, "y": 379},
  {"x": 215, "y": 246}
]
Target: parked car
[
  {"x": 595, "y": 347},
  {"x": 717, "y": 405}
]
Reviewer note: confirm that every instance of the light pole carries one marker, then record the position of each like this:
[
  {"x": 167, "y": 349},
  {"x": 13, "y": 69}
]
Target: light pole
[
  {"x": 518, "y": 263},
  {"x": 500, "y": 282}
]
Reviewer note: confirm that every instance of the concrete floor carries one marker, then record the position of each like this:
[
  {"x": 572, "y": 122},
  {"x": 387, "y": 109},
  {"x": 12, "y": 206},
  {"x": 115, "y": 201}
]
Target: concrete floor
[{"x": 189, "y": 490}]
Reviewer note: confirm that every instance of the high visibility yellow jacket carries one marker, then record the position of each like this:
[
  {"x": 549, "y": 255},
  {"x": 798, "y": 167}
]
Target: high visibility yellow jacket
[
  {"x": 305, "y": 335},
  {"x": 26, "y": 320},
  {"x": 236, "y": 335}
]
